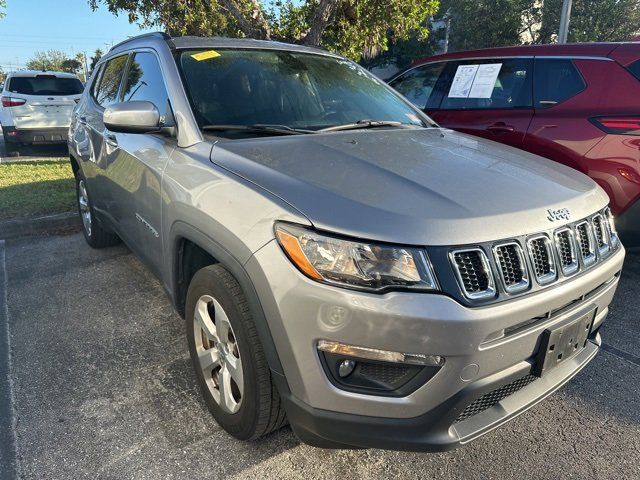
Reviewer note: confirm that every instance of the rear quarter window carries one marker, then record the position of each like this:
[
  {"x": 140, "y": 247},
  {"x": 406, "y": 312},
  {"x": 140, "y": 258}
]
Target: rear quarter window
[
  {"x": 45, "y": 85},
  {"x": 418, "y": 85},
  {"x": 556, "y": 80},
  {"x": 634, "y": 68}
]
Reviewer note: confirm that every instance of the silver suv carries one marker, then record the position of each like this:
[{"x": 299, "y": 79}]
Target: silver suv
[{"x": 342, "y": 263}]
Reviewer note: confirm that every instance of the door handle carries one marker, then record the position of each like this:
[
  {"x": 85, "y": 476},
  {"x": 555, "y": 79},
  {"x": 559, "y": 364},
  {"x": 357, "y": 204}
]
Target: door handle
[
  {"x": 500, "y": 127},
  {"x": 111, "y": 140}
]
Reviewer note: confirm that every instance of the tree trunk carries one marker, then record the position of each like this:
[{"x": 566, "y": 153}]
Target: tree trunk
[
  {"x": 254, "y": 27},
  {"x": 321, "y": 16}
]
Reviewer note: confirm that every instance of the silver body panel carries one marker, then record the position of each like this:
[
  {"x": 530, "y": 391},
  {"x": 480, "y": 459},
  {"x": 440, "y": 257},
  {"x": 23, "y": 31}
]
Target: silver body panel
[{"x": 420, "y": 187}]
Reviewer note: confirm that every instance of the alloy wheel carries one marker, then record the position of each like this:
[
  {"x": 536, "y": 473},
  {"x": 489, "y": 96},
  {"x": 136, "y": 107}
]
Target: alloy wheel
[
  {"x": 218, "y": 354},
  {"x": 85, "y": 211}
]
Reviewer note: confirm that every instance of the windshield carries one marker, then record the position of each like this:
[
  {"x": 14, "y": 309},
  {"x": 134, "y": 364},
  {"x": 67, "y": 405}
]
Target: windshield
[
  {"x": 288, "y": 89},
  {"x": 45, "y": 85}
]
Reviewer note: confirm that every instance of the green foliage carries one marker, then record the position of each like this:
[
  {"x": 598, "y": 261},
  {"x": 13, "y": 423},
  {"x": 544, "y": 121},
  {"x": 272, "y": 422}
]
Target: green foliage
[
  {"x": 36, "y": 187},
  {"x": 49, "y": 60},
  {"x": 97, "y": 55},
  {"x": 369, "y": 26},
  {"x": 592, "y": 20},
  {"x": 488, "y": 23},
  {"x": 353, "y": 27}
]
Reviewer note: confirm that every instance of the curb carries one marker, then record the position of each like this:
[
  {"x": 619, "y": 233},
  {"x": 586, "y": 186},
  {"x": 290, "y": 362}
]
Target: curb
[{"x": 23, "y": 227}]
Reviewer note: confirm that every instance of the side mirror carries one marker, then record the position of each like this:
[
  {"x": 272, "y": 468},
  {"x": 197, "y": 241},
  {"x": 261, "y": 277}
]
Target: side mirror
[{"x": 132, "y": 117}]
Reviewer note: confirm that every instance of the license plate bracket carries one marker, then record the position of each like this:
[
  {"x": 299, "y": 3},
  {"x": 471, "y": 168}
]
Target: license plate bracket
[{"x": 562, "y": 342}]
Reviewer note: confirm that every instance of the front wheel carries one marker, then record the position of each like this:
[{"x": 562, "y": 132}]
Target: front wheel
[
  {"x": 95, "y": 235},
  {"x": 228, "y": 358}
]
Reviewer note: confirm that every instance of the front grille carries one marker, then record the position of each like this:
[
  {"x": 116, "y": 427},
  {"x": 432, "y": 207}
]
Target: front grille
[
  {"x": 513, "y": 269},
  {"x": 541, "y": 255},
  {"x": 566, "y": 250},
  {"x": 586, "y": 243},
  {"x": 565, "y": 246},
  {"x": 490, "y": 399},
  {"x": 473, "y": 272}
]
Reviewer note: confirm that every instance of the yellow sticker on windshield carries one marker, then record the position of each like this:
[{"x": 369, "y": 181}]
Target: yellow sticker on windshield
[{"x": 205, "y": 55}]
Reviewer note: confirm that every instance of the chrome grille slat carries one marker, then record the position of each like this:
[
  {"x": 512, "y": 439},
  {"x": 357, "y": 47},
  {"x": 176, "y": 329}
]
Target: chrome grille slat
[
  {"x": 600, "y": 234},
  {"x": 566, "y": 249},
  {"x": 586, "y": 242},
  {"x": 542, "y": 259},
  {"x": 512, "y": 267},
  {"x": 473, "y": 272},
  {"x": 611, "y": 228}
]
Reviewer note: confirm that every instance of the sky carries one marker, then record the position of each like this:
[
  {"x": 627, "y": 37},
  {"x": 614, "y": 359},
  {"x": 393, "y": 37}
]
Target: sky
[{"x": 67, "y": 25}]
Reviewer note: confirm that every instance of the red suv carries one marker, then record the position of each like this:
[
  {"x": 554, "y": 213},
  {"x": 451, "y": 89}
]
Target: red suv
[{"x": 578, "y": 104}]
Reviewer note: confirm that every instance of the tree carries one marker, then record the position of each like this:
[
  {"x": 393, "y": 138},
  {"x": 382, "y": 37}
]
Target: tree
[
  {"x": 50, "y": 60},
  {"x": 348, "y": 26},
  {"x": 489, "y": 23},
  {"x": 97, "y": 55},
  {"x": 592, "y": 20},
  {"x": 70, "y": 65},
  {"x": 2, "y": 75}
]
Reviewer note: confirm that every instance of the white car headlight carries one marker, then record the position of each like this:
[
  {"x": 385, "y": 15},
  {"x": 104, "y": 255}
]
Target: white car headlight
[{"x": 350, "y": 263}]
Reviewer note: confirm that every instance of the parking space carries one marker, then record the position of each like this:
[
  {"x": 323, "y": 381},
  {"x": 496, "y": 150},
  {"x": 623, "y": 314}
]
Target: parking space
[{"x": 103, "y": 388}]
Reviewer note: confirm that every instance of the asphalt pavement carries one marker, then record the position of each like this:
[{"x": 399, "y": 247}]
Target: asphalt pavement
[{"x": 102, "y": 387}]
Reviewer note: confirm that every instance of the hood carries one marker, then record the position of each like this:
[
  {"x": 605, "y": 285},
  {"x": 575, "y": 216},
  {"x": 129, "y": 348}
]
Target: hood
[{"x": 420, "y": 187}]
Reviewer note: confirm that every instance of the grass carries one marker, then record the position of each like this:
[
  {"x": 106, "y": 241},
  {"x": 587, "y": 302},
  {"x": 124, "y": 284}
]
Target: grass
[{"x": 37, "y": 187}]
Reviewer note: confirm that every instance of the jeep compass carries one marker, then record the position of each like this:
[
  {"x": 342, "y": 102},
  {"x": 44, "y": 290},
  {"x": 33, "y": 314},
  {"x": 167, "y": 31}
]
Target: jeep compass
[{"x": 342, "y": 263}]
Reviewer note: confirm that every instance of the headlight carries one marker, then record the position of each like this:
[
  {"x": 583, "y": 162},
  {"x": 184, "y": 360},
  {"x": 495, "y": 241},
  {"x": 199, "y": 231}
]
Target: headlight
[{"x": 354, "y": 264}]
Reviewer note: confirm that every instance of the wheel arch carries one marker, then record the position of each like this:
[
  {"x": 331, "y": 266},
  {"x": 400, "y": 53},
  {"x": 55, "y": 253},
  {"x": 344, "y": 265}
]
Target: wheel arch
[{"x": 190, "y": 244}]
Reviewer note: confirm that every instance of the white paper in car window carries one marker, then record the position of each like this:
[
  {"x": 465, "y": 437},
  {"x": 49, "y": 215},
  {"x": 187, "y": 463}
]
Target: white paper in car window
[
  {"x": 463, "y": 80},
  {"x": 485, "y": 80}
]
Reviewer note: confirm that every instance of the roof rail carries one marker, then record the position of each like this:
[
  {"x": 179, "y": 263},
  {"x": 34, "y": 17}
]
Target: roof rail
[{"x": 161, "y": 35}]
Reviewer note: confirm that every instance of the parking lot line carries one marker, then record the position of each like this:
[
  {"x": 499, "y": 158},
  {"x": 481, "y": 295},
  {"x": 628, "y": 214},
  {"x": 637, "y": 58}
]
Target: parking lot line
[
  {"x": 635, "y": 360},
  {"x": 8, "y": 456}
]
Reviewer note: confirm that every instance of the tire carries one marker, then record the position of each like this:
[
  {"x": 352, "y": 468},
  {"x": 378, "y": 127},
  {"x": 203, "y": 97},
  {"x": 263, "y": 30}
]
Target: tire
[
  {"x": 12, "y": 148},
  {"x": 216, "y": 293},
  {"x": 94, "y": 233}
]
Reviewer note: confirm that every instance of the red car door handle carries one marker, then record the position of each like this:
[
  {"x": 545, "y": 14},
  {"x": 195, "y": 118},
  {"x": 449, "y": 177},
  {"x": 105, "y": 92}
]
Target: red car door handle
[{"x": 500, "y": 128}]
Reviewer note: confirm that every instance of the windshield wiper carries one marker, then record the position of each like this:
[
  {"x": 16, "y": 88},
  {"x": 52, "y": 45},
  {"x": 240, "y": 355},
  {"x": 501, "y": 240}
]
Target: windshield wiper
[
  {"x": 367, "y": 124},
  {"x": 259, "y": 128}
]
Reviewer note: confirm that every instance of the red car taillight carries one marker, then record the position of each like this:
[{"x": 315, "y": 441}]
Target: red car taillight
[
  {"x": 12, "y": 102},
  {"x": 621, "y": 125}
]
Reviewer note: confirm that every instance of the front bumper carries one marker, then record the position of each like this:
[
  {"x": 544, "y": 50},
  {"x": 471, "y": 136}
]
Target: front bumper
[
  {"x": 35, "y": 135},
  {"x": 301, "y": 312}
]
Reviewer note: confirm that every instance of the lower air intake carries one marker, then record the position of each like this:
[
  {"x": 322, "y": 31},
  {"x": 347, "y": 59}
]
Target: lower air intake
[{"x": 490, "y": 399}]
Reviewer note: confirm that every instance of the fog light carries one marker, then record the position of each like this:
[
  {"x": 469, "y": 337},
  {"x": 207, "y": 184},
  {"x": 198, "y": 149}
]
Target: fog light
[
  {"x": 380, "y": 355},
  {"x": 346, "y": 368}
]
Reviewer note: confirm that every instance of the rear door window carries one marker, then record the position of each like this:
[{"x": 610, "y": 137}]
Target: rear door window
[
  {"x": 556, "y": 80},
  {"x": 144, "y": 82},
  {"x": 109, "y": 84},
  {"x": 45, "y": 85},
  {"x": 499, "y": 83},
  {"x": 417, "y": 85}
]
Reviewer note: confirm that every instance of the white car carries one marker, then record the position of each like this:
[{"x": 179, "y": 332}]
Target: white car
[{"x": 37, "y": 107}]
